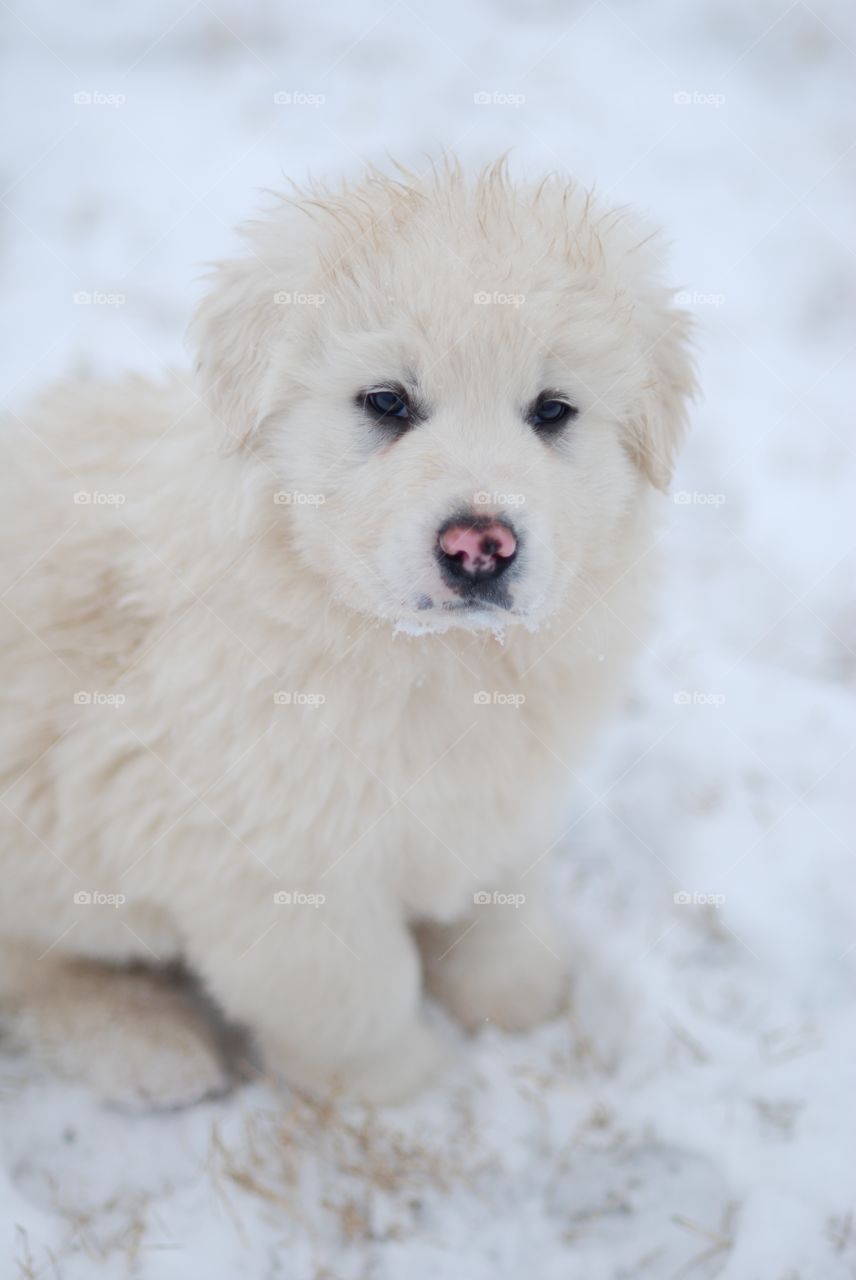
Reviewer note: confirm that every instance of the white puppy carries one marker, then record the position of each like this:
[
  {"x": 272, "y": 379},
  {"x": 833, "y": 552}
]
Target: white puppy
[{"x": 300, "y": 660}]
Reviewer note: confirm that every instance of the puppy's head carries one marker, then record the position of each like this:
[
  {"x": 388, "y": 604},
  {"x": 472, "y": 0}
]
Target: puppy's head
[{"x": 461, "y": 391}]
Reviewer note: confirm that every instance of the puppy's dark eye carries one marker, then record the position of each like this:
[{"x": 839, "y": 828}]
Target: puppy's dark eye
[
  {"x": 388, "y": 404},
  {"x": 549, "y": 414}
]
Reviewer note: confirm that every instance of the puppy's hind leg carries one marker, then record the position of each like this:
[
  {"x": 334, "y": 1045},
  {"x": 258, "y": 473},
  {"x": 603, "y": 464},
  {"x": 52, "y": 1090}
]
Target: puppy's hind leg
[{"x": 135, "y": 1036}]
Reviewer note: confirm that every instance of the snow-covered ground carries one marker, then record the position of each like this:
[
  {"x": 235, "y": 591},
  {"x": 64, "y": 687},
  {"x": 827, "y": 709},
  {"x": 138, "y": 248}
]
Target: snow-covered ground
[{"x": 696, "y": 1115}]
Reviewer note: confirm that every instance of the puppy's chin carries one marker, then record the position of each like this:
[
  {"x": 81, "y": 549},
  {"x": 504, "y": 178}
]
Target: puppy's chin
[
  {"x": 462, "y": 616},
  {"x": 441, "y": 612}
]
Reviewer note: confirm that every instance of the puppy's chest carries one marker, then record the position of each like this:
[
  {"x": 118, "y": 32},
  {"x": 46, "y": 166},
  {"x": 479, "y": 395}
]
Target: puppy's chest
[{"x": 441, "y": 785}]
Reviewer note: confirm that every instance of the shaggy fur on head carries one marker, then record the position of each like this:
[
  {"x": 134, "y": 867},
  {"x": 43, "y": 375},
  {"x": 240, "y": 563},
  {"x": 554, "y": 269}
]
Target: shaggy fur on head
[{"x": 259, "y": 720}]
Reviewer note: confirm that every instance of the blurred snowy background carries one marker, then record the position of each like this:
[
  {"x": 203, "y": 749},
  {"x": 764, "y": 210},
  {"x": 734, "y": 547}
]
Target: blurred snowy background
[{"x": 694, "y": 1116}]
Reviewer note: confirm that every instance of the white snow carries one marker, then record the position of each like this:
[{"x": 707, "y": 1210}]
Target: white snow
[{"x": 696, "y": 1117}]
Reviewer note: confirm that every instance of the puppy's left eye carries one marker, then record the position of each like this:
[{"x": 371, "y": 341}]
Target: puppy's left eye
[
  {"x": 388, "y": 404},
  {"x": 549, "y": 414}
]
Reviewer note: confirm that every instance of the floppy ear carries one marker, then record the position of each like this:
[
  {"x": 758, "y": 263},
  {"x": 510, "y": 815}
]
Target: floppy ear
[
  {"x": 657, "y": 429},
  {"x": 233, "y": 331}
]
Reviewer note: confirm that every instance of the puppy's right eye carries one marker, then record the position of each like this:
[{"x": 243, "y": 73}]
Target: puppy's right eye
[{"x": 388, "y": 404}]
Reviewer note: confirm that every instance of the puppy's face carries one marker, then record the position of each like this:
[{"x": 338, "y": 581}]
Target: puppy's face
[{"x": 463, "y": 393}]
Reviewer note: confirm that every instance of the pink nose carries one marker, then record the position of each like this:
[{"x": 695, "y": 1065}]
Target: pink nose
[{"x": 479, "y": 547}]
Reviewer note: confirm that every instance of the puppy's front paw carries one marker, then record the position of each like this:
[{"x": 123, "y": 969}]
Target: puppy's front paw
[
  {"x": 390, "y": 1075},
  {"x": 513, "y": 976},
  {"x": 399, "y": 1073}
]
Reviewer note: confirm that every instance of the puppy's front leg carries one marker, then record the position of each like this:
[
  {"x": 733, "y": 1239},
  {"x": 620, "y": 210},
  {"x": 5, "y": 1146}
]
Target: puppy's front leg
[
  {"x": 503, "y": 962},
  {"x": 331, "y": 991}
]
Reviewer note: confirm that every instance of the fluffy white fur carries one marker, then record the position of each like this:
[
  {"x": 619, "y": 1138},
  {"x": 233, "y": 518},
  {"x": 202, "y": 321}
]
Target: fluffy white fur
[{"x": 221, "y": 686}]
